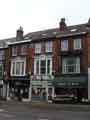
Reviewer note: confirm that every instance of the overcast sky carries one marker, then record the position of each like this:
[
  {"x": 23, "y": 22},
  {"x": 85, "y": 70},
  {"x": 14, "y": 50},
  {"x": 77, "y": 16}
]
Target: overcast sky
[{"x": 35, "y": 15}]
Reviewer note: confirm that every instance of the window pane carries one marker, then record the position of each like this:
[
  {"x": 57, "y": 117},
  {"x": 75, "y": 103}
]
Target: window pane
[
  {"x": 13, "y": 68},
  {"x": 38, "y": 48},
  {"x": 23, "y": 49},
  {"x": 22, "y": 68},
  {"x": 64, "y": 45},
  {"x": 18, "y": 68},
  {"x": 43, "y": 67},
  {"x": 1, "y": 69},
  {"x": 71, "y": 65},
  {"x": 14, "y": 51},
  {"x": 37, "y": 67},
  {"x": 48, "y": 66},
  {"x": 77, "y": 43},
  {"x": 1, "y": 54},
  {"x": 48, "y": 46}
]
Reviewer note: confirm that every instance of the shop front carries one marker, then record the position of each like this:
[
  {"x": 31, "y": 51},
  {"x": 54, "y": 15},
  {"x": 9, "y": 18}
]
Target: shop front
[
  {"x": 76, "y": 86},
  {"x": 41, "y": 90},
  {"x": 1, "y": 89},
  {"x": 19, "y": 89}
]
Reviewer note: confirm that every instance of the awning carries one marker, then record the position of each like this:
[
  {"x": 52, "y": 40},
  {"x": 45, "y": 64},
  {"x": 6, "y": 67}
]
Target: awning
[{"x": 71, "y": 81}]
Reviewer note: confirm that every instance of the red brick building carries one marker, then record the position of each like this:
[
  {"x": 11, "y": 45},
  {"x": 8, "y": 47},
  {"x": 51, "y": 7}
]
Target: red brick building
[{"x": 49, "y": 62}]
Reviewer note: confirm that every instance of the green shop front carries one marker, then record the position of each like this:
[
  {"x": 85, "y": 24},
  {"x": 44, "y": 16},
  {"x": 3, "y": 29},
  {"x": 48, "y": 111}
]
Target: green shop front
[
  {"x": 41, "y": 90},
  {"x": 76, "y": 85}
]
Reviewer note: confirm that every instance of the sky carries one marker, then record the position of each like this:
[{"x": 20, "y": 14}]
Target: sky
[{"x": 35, "y": 15}]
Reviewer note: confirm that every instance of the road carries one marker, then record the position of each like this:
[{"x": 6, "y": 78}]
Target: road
[{"x": 27, "y": 111}]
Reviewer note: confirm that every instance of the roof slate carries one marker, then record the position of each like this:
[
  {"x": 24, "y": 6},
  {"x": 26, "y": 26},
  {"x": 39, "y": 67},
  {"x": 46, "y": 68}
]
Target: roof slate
[{"x": 50, "y": 33}]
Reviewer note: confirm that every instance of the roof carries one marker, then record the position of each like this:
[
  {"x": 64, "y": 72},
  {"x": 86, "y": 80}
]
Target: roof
[
  {"x": 49, "y": 33},
  {"x": 3, "y": 42}
]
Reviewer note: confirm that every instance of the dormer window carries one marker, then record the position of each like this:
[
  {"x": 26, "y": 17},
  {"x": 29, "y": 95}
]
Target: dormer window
[
  {"x": 64, "y": 45},
  {"x": 77, "y": 43}
]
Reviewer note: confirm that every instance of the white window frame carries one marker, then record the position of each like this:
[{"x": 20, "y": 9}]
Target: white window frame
[
  {"x": 15, "y": 61},
  {"x": 23, "y": 50},
  {"x": 39, "y": 59},
  {"x": 1, "y": 70},
  {"x": 64, "y": 45},
  {"x": 65, "y": 66},
  {"x": 38, "y": 48},
  {"x": 14, "y": 50},
  {"x": 1, "y": 54},
  {"x": 76, "y": 42},
  {"x": 48, "y": 46}
]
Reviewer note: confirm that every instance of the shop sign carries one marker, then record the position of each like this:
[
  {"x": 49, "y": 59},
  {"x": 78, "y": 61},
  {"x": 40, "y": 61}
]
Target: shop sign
[
  {"x": 44, "y": 84},
  {"x": 69, "y": 84}
]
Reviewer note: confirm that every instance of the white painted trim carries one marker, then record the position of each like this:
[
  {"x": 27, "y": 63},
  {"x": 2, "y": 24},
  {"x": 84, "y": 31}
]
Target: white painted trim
[
  {"x": 72, "y": 34},
  {"x": 38, "y": 48},
  {"x": 15, "y": 61},
  {"x": 48, "y": 46},
  {"x": 46, "y": 58},
  {"x": 80, "y": 43},
  {"x": 89, "y": 83},
  {"x": 18, "y": 42}
]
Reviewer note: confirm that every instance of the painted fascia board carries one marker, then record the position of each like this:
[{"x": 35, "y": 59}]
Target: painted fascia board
[{"x": 18, "y": 42}]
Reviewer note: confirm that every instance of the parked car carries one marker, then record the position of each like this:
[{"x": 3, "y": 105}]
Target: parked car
[{"x": 64, "y": 98}]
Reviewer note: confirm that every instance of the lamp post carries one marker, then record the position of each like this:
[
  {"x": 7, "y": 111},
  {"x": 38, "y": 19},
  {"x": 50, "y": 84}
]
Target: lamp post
[{"x": 5, "y": 87}]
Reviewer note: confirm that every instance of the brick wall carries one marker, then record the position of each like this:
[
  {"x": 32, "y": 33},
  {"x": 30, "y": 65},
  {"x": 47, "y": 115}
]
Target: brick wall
[{"x": 56, "y": 57}]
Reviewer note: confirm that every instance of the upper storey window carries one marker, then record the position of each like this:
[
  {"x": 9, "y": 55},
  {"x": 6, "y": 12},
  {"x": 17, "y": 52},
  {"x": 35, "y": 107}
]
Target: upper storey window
[
  {"x": 38, "y": 48},
  {"x": 1, "y": 54},
  {"x": 70, "y": 65},
  {"x": 64, "y": 45},
  {"x": 23, "y": 50},
  {"x": 48, "y": 46},
  {"x": 77, "y": 43},
  {"x": 14, "y": 51}
]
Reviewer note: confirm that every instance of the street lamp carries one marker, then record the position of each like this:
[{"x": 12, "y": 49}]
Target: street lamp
[{"x": 5, "y": 85}]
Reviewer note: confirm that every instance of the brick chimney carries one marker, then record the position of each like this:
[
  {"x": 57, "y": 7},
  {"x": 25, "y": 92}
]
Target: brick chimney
[
  {"x": 19, "y": 34},
  {"x": 62, "y": 25}
]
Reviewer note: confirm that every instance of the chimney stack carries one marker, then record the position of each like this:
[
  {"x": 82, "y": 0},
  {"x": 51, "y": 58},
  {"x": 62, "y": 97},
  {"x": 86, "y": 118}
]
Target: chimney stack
[
  {"x": 19, "y": 34},
  {"x": 62, "y": 25}
]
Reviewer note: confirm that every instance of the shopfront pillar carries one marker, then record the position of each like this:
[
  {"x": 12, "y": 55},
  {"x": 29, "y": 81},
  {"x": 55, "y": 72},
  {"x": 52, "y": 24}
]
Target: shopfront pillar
[{"x": 89, "y": 83}]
